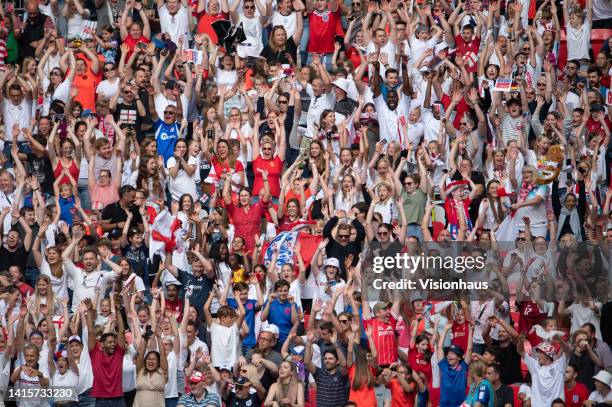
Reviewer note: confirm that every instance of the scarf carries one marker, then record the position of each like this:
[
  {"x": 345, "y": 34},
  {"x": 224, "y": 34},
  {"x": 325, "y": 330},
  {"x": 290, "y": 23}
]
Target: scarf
[
  {"x": 451, "y": 207},
  {"x": 574, "y": 222}
]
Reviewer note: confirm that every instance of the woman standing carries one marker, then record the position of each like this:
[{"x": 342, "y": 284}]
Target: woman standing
[
  {"x": 270, "y": 159},
  {"x": 151, "y": 374},
  {"x": 281, "y": 49},
  {"x": 181, "y": 168},
  {"x": 246, "y": 216},
  {"x": 69, "y": 155}
]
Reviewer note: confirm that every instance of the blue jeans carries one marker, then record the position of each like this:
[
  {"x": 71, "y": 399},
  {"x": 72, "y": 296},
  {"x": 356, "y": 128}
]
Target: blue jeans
[
  {"x": 171, "y": 401},
  {"x": 84, "y": 193},
  {"x": 85, "y": 400},
  {"x": 114, "y": 402},
  {"x": 326, "y": 59}
]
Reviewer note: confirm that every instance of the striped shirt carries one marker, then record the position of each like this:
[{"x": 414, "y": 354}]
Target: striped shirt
[
  {"x": 513, "y": 127},
  {"x": 331, "y": 388},
  {"x": 384, "y": 339},
  {"x": 209, "y": 399}
]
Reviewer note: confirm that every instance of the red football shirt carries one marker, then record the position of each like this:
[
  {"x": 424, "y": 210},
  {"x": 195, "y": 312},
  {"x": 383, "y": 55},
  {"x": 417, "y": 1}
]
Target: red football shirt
[
  {"x": 383, "y": 335},
  {"x": 322, "y": 31},
  {"x": 399, "y": 398},
  {"x": 107, "y": 370},
  {"x": 576, "y": 396},
  {"x": 460, "y": 335},
  {"x": 248, "y": 221},
  {"x": 274, "y": 168},
  {"x": 417, "y": 362}
]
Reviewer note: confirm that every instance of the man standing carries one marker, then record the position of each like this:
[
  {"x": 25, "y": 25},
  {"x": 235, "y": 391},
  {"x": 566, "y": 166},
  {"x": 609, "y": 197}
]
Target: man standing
[
  {"x": 332, "y": 379},
  {"x": 89, "y": 277},
  {"x": 383, "y": 328},
  {"x": 504, "y": 396},
  {"x": 575, "y": 393},
  {"x": 106, "y": 359}
]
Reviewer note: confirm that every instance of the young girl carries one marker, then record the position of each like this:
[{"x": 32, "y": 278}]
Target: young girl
[
  {"x": 63, "y": 371},
  {"x": 381, "y": 193},
  {"x": 67, "y": 195},
  {"x": 107, "y": 45},
  {"x": 329, "y": 281},
  {"x": 181, "y": 168}
]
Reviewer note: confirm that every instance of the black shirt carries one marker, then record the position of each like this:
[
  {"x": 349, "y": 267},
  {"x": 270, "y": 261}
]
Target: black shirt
[
  {"x": 504, "y": 395},
  {"x": 16, "y": 258},
  {"x": 335, "y": 249},
  {"x": 509, "y": 363},
  {"x": 114, "y": 213},
  {"x": 128, "y": 114},
  {"x": 279, "y": 56},
  {"x": 251, "y": 401},
  {"x": 586, "y": 369},
  {"x": 40, "y": 167}
]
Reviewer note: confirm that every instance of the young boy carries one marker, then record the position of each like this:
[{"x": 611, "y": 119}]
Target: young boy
[
  {"x": 578, "y": 29},
  {"x": 241, "y": 293},
  {"x": 280, "y": 311},
  {"x": 224, "y": 333}
]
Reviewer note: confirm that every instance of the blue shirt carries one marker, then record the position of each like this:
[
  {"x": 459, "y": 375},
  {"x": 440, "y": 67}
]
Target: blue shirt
[
  {"x": 66, "y": 207},
  {"x": 166, "y": 136},
  {"x": 280, "y": 315},
  {"x": 482, "y": 392},
  {"x": 453, "y": 382},
  {"x": 249, "y": 318}
]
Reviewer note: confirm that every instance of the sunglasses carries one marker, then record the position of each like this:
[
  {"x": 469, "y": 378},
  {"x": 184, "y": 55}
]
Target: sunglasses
[
  {"x": 283, "y": 102},
  {"x": 408, "y": 183},
  {"x": 343, "y": 321},
  {"x": 266, "y": 149},
  {"x": 356, "y": 4},
  {"x": 463, "y": 123},
  {"x": 169, "y": 113},
  {"x": 343, "y": 236},
  {"x": 383, "y": 233},
  {"x": 249, "y": 7},
  {"x": 109, "y": 69}
]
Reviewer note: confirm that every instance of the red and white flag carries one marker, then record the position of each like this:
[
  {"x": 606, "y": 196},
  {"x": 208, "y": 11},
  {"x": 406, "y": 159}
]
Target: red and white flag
[{"x": 163, "y": 233}]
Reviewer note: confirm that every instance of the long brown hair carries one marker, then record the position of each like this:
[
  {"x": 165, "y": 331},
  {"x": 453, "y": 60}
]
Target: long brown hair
[
  {"x": 142, "y": 181},
  {"x": 363, "y": 373}
]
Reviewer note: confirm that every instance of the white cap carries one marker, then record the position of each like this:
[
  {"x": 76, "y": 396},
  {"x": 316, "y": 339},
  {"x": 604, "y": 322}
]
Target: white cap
[
  {"x": 342, "y": 83},
  {"x": 331, "y": 261},
  {"x": 442, "y": 45},
  {"x": 271, "y": 328}
]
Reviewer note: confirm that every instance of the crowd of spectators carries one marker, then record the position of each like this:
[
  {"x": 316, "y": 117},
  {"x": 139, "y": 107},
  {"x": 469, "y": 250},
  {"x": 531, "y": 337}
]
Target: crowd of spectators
[{"x": 193, "y": 195}]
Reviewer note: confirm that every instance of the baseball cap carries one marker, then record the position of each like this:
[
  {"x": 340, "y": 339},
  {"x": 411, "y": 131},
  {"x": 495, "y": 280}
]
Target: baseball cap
[
  {"x": 241, "y": 381},
  {"x": 547, "y": 348},
  {"x": 271, "y": 328},
  {"x": 196, "y": 377},
  {"x": 75, "y": 338},
  {"x": 114, "y": 234},
  {"x": 171, "y": 84},
  {"x": 297, "y": 350},
  {"x": 456, "y": 350},
  {"x": 380, "y": 305}
]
